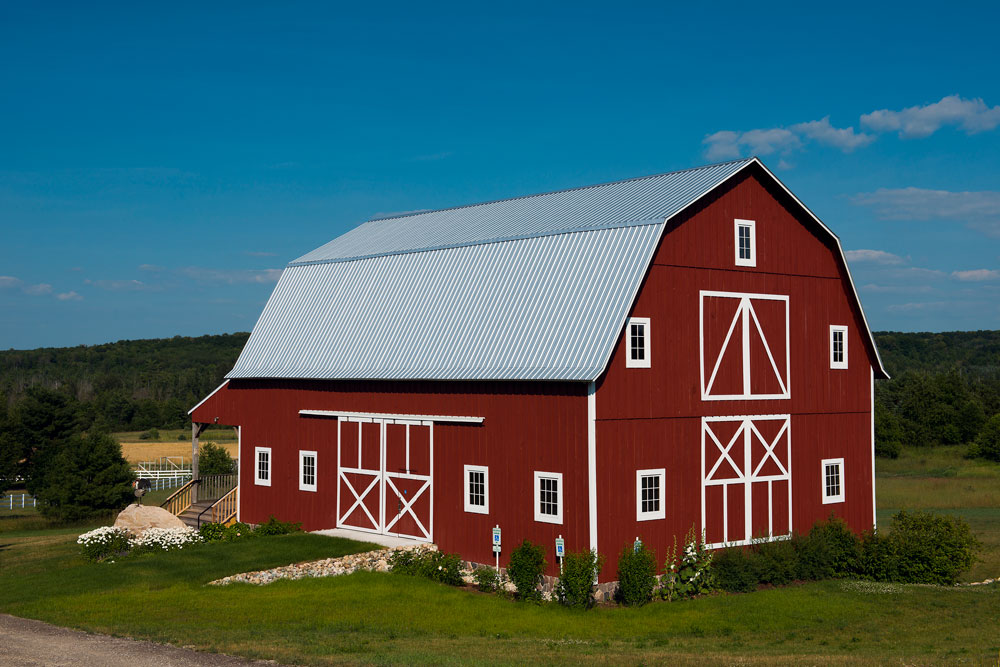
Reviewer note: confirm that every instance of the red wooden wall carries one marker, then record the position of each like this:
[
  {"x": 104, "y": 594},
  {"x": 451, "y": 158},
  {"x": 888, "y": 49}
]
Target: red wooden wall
[
  {"x": 527, "y": 427},
  {"x": 651, "y": 417}
]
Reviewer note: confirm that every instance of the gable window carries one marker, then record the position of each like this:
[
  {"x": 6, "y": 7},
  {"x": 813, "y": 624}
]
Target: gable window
[
  {"x": 746, "y": 242},
  {"x": 262, "y": 467},
  {"x": 548, "y": 497},
  {"x": 307, "y": 471},
  {"x": 833, "y": 481},
  {"x": 649, "y": 494},
  {"x": 838, "y": 346},
  {"x": 477, "y": 489},
  {"x": 637, "y": 342}
]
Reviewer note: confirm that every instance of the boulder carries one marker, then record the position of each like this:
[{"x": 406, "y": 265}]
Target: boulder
[{"x": 137, "y": 519}]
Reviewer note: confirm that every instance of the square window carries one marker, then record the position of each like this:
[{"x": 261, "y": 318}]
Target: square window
[
  {"x": 745, "y": 242},
  {"x": 637, "y": 343},
  {"x": 838, "y": 346},
  {"x": 477, "y": 489},
  {"x": 649, "y": 503},
  {"x": 262, "y": 467},
  {"x": 307, "y": 471},
  {"x": 548, "y": 497},
  {"x": 833, "y": 480}
]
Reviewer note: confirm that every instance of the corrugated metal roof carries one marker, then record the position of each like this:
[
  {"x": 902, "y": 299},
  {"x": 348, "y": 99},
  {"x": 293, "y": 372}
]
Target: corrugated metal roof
[
  {"x": 593, "y": 207},
  {"x": 534, "y": 288}
]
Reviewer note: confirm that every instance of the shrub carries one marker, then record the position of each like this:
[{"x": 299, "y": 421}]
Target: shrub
[
  {"x": 87, "y": 476},
  {"x": 734, "y": 571},
  {"x": 435, "y": 565},
  {"x": 920, "y": 547},
  {"x": 831, "y": 549},
  {"x": 774, "y": 562},
  {"x": 274, "y": 527},
  {"x": 151, "y": 434},
  {"x": 212, "y": 532},
  {"x": 693, "y": 574},
  {"x": 636, "y": 575},
  {"x": 576, "y": 584},
  {"x": 213, "y": 459},
  {"x": 104, "y": 542},
  {"x": 487, "y": 579},
  {"x": 527, "y": 563},
  {"x": 164, "y": 539}
]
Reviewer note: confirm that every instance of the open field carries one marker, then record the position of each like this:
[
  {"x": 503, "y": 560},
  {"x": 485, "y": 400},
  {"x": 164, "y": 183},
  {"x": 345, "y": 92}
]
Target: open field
[
  {"x": 170, "y": 443},
  {"x": 389, "y": 618}
]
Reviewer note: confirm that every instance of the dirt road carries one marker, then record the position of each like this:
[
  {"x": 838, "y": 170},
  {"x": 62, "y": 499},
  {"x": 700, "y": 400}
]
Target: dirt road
[{"x": 26, "y": 643}]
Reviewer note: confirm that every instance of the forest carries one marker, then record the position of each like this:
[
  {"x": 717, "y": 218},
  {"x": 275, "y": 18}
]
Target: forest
[{"x": 945, "y": 387}]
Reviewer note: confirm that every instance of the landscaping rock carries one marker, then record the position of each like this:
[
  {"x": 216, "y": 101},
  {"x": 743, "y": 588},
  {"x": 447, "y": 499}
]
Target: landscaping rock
[{"x": 137, "y": 519}]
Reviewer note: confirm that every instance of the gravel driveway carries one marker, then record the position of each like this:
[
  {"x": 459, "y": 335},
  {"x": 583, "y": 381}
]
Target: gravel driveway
[{"x": 27, "y": 643}]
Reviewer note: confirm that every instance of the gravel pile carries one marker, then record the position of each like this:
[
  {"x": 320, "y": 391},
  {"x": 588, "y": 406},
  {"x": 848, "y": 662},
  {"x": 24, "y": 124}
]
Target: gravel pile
[{"x": 374, "y": 561}]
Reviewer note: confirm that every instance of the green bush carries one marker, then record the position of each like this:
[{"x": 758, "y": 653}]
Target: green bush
[
  {"x": 987, "y": 443},
  {"x": 830, "y": 549},
  {"x": 576, "y": 584},
  {"x": 734, "y": 570},
  {"x": 151, "y": 434},
  {"x": 527, "y": 563},
  {"x": 690, "y": 575},
  {"x": 487, "y": 579},
  {"x": 86, "y": 476},
  {"x": 636, "y": 575},
  {"x": 217, "y": 532},
  {"x": 274, "y": 527},
  {"x": 435, "y": 565},
  {"x": 213, "y": 459},
  {"x": 920, "y": 548},
  {"x": 774, "y": 562}
]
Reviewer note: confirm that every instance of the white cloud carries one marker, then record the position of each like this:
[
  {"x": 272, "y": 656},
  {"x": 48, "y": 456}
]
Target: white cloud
[
  {"x": 922, "y": 121},
  {"x": 728, "y": 144},
  {"x": 9, "y": 281},
  {"x": 873, "y": 256},
  {"x": 921, "y": 305},
  {"x": 890, "y": 289},
  {"x": 846, "y": 139},
  {"x": 231, "y": 276},
  {"x": 150, "y": 267},
  {"x": 69, "y": 296},
  {"x": 118, "y": 285},
  {"x": 979, "y": 210},
  {"x": 39, "y": 289},
  {"x": 976, "y": 275}
]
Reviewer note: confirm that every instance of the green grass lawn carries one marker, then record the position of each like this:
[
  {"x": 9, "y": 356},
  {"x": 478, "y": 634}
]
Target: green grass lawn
[{"x": 379, "y": 618}]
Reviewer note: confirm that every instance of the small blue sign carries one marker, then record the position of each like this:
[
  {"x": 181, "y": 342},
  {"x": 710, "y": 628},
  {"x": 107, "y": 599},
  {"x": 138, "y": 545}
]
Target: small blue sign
[
  {"x": 560, "y": 547},
  {"x": 496, "y": 539}
]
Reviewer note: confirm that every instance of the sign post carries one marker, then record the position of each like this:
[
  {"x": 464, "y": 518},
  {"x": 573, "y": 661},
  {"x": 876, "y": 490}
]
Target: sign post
[
  {"x": 560, "y": 552},
  {"x": 496, "y": 546}
]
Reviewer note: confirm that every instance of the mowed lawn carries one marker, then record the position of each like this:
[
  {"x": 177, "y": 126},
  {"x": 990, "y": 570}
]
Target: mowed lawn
[{"x": 381, "y": 618}]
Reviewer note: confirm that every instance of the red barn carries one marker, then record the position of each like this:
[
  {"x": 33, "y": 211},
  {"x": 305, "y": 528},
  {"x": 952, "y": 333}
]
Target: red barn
[{"x": 624, "y": 360}]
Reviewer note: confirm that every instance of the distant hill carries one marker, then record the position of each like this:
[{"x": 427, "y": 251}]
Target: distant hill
[{"x": 976, "y": 352}]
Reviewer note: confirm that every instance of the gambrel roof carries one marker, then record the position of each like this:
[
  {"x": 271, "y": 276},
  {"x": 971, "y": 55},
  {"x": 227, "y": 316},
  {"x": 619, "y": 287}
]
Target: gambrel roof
[{"x": 532, "y": 288}]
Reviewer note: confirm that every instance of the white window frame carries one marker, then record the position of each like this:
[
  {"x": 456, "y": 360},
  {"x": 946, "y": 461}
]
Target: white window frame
[
  {"x": 629, "y": 361},
  {"x": 827, "y": 499},
  {"x": 256, "y": 466},
  {"x": 303, "y": 454},
  {"x": 661, "y": 513},
  {"x": 835, "y": 328},
  {"x": 752, "y": 225},
  {"x": 469, "y": 507},
  {"x": 561, "y": 492}
]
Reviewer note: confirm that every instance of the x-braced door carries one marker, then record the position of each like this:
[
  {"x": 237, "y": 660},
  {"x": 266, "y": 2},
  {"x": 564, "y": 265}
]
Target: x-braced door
[
  {"x": 384, "y": 480},
  {"x": 746, "y": 482}
]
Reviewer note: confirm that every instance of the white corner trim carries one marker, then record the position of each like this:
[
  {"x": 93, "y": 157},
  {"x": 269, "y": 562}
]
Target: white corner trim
[
  {"x": 592, "y": 462},
  {"x": 256, "y": 466},
  {"x": 842, "y": 329},
  {"x": 239, "y": 469},
  {"x": 659, "y": 513},
  {"x": 191, "y": 411},
  {"x": 629, "y": 361},
  {"x": 874, "y": 510},
  {"x": 387, "y": 417},
  {"x": 752, "y": 225},
  {"x": 839, "y": 498},
  {"x": 469, "y": 507},
  {"x": 302, "y": 465},
  {"x": 560, "y": 497}
]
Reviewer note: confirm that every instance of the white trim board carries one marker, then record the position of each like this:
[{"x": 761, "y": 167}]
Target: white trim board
[
  {"x": 388, "y": 417},
  {"x": 214, "y": 391},
  {"x": 469, "y": 507}
]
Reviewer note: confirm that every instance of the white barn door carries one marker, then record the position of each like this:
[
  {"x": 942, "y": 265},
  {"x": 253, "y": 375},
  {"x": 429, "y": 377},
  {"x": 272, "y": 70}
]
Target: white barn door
[
  {"x": 746, "y": 481},
  {"x": 384, "y": 479}
]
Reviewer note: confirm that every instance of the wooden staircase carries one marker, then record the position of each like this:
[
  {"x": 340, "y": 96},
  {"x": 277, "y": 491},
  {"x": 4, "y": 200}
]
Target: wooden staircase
[{"x": 218, "y": 500}]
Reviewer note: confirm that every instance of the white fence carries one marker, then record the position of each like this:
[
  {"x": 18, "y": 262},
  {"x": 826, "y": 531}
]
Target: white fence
[
  {"x": 168, "y": 482},
  {"x": 165, "y": 467},
  {"x": 18, "y": 501}
]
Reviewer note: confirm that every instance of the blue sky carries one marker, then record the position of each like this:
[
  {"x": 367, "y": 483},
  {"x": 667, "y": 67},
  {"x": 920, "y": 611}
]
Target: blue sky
[{"x": 159, "y": 166}]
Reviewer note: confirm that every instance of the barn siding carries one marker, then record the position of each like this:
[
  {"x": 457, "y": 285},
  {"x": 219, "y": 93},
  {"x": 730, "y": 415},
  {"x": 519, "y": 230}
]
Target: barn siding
[
  {"x": 527, "y": 427},
  {"x": 651, "y": 418}
]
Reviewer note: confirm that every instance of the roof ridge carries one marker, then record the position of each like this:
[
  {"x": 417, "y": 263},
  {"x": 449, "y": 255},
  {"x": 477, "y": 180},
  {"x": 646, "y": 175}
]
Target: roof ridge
[{"x": 554, "y": 192}]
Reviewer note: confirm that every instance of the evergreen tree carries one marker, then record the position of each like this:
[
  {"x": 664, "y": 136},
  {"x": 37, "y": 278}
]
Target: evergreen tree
[
  {"x": 87, "y": 475},
  {"x": 43, "y": 421}
]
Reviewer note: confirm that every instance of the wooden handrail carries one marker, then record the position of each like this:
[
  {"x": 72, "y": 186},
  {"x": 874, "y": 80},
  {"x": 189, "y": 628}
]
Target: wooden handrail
[
  {"x": 225, "y": 508},
  {"x": 179, "y": 500}
]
